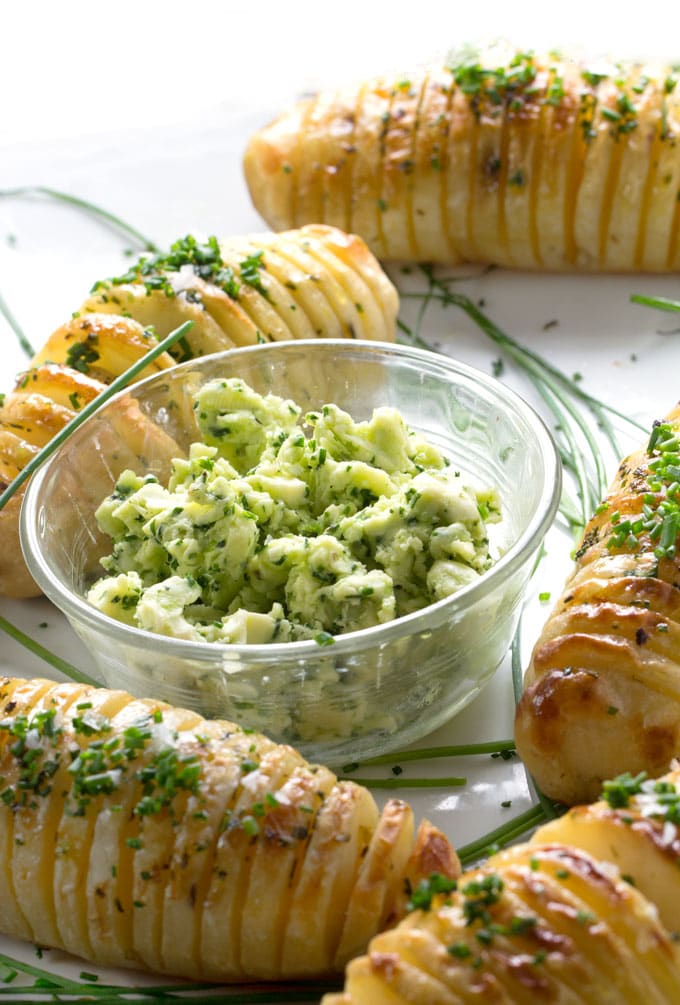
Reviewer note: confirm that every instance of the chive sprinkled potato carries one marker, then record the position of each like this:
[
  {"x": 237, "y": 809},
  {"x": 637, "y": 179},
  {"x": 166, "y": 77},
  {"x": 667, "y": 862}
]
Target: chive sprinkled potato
[
  {"x": 602, "y": 690},
  {"x": 140, "y": 835},
  {"x": 517, "y": 159},
  {"x": 585, "y": 913}
]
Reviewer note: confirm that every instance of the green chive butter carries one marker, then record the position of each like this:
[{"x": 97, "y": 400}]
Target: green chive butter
[{"x": 281, "y": 526}]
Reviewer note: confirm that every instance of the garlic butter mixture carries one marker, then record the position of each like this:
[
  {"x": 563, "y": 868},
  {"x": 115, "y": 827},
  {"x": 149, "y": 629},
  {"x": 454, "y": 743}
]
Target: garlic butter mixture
[{"x": 281, "y": 526}]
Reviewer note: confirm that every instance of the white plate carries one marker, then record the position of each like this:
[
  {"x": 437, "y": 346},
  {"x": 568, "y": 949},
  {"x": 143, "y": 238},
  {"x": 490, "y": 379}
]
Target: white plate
[{"x": 187, "y": 178}]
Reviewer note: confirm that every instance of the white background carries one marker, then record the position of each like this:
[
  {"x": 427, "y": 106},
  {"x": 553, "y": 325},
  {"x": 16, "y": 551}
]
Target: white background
[{"x": 73, "y": 67}]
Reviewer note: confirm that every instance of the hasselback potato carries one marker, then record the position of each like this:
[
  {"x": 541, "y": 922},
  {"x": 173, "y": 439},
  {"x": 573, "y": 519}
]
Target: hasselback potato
[
  {"x": 313, "y": 282},
  {"x": 602, "y": 690},
  {"x": 549, "y": 920},
  {"x": 137, "y": 834},
  {"x": 528, "y": 161},
  {"x": 635, "y": 827}
]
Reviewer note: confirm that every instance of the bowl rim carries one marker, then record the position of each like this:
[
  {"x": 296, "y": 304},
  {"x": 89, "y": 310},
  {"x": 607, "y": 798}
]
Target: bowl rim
[{"x": 76, "y": 608}]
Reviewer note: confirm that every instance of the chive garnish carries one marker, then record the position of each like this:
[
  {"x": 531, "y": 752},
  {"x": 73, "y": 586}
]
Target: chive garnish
[
  {"x": 515, "y": 828},
  {"x": 429, "y": 753},
  {"x": 561, "y": 393},
  {"x": 16, "y": 328},
  {"x": 411, "y": 783},
  {"x": 100, "y": 214},
  {"x": 52, "y": 987},
  {"x": 63, "y": 666}
]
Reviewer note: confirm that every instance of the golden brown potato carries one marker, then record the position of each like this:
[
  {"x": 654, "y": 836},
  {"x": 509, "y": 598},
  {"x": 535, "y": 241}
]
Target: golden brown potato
[
  {"x": 635, "y": 828},
  {"x": 309, "y": 283},
  {"x": 527, "y": 161},
  {"x": 538, "y": 922},
  {"x": 602, "y": 691},
  {"x": 140, "y": 835}
]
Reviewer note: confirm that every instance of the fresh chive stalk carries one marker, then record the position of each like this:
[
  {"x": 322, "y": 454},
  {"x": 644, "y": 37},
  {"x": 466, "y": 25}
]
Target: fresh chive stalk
[
  {"x": 16, "y": 328},
  {"x": 561, "y": 394},
  {"x": 91, "y": 209},
  {"x": 102, "y": 215},
  {"x": 429, "y": 753},
  {"x": 660, "y": 303},
  {"x": 502, "y": 835},
  {"x": 516, "y": 662},
  {"x": 63, "y": 666},
  {"x": 50, "y": 986},
  {"x": 411, "y": 783},
  {"x": 116, "y": 385}
]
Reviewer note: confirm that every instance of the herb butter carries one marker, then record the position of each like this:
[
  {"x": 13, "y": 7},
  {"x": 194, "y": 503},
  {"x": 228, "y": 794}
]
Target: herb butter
[{"x": 281, "y": 526}]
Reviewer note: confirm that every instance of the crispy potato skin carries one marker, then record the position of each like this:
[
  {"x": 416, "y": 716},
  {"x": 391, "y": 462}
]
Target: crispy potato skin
[
  {"x": 140, "y": 835},
  {"x": 530, "y": 162},
  {"x": 316, "y": 282},
  {"x": 602, "y": 690},
  {"x": 635, "y": 837},
  {"x": 586, "y": 912}
]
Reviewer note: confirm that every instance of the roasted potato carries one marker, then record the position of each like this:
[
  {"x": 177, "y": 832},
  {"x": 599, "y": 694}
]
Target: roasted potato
[
  {"x": 570, "y": 917},
  {"x": 602, "y": 690},
  {"x": 520, "y": 160},
  {"x": 140, "y": 835}
]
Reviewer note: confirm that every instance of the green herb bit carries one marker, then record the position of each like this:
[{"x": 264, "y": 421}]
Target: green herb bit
[
  {"x": 250, "y": 269},
  {"x": 509, "y": 86},
  {"x": 659, "y": 303},
  {"x": 555, "y": 93},
  {"x": 660, "y": 517},
  {"x": 92, "y": 775},
  {"x": 623, "y": 117},
  {"x": 436, "y": 885},
  {"x": 167, "y": 773},
  {"x": 81, "y": 355},
  {"x": 588, "y": 105},
  {"x": 250, "y": 826},
  {"x": 619, "y": 791},
  {"x": 89, "y": 724},
  {"x": 34, "y": 738},
  {"x": 592, "y": 78},
  {"x": 480, "y": 895},
  {"x": 204, "y": 258},
  {"x": 460, "y": 950}
]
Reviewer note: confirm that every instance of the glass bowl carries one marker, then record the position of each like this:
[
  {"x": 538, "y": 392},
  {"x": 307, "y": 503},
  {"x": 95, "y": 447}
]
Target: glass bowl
[{"x": 370, "y": 691}]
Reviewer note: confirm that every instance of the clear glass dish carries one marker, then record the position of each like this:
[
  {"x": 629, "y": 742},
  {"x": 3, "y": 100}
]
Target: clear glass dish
[{"x": 373, "y": 690}]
